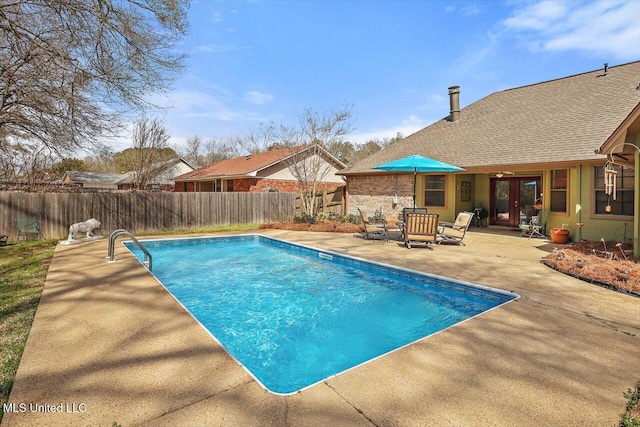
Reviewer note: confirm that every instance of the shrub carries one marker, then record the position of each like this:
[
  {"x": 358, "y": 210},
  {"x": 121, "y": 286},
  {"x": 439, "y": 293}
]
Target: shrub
[
  {"x": 628, "y": 419},
  {"x": 304, "y": 218}
]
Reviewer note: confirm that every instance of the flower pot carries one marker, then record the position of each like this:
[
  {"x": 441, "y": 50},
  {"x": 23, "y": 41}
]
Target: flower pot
[{"x": 559, "y": 236}]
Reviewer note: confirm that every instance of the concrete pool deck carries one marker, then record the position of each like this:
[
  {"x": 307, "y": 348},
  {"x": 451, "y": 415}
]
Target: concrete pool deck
[{"x": 108, "y": 343}]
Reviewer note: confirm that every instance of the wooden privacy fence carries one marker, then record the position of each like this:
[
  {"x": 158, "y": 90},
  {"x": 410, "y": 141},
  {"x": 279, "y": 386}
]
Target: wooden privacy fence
[
  {"x": 140, "y": 211},
  {"x": 327, "y": 201}
]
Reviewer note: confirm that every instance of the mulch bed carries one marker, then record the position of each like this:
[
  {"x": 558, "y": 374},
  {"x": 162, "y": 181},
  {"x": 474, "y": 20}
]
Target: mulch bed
[
  {"x": 321, "y": 225},
  {"x": 606, "y": 264}
]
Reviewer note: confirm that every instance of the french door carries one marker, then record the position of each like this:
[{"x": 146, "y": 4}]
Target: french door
[{"x": 512, "y": 199}]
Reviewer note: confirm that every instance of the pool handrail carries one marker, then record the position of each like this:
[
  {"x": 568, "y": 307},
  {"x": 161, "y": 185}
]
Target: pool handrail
[{"x": 148, "y": 259}]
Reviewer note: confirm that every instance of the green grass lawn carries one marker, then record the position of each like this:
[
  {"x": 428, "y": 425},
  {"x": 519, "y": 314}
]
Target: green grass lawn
[{"x": 23, "y": 268}]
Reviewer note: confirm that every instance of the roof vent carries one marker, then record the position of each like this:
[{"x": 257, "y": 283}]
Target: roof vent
[
  {"x": 454, "y": 103},
  {"x": 606, "y": 69}
]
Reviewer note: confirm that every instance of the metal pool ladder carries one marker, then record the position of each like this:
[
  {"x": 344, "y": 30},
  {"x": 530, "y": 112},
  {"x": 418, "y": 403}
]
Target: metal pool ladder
[{"x": 148, "y": 260}]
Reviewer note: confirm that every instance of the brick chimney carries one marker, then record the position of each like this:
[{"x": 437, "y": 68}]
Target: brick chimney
[{"x": 454, "y": 102}]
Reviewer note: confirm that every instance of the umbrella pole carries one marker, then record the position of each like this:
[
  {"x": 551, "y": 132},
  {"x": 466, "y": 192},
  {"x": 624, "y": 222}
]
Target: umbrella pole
[{"x": 414, "y": 189}]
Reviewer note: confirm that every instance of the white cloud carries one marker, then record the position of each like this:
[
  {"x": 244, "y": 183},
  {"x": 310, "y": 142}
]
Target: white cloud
[
  {"x": 214, "y": 48},
  {"x": 208, "y": 103},
  {"x": 604, "y": 27},
  {"x": 465, "y": 9},
  {"x": 408, "y": 126},
  {"x": 538, "y": 16},
  {"x": 257, "y": 98},
  {"x": 474, "y": 54}
]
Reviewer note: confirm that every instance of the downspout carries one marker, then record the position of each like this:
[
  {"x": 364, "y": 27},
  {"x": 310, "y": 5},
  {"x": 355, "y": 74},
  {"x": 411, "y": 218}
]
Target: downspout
[
  {"x": 579, "y": 198},
  {"x": 636, "y": 203}
]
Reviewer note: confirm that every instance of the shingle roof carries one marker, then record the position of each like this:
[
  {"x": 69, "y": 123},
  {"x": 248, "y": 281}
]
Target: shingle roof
[
  {"x": 243, "y": 165},
  {"x": 104, "y": 178},
  {"x": 558, "y": 120},
  {"x": 157, "y": 170}
]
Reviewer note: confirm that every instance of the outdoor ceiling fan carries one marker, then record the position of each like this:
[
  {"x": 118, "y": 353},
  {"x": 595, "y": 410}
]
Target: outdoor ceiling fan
[{"x": 503, "y": 173}]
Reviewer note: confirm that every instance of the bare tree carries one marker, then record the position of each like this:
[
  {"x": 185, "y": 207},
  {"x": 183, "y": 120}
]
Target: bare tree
[
  {"x": 217, "y": 149},
  {"x": 101, "y": 160},
  {"x": 192, "y": 153},
  {"x": 262, "y": 138},
  {"x": 309, "y": 162},
  {"x": 150, "y": 147},
  {"x": 69, "y": 69},
  {"x": 27, "y": 163}
]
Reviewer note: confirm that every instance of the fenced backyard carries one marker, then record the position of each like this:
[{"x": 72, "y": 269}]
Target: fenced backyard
[
  {"x": 327, "y": 202},
  {"x": 141, "y": 211}
]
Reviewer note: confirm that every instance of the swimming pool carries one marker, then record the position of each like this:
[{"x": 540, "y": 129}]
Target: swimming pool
[{"x": 294, "y": 316}]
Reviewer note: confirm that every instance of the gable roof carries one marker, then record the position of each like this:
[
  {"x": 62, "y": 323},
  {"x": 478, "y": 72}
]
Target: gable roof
[
  {"x": 95, "y": 177},
  {"x": 249, "y": 165},
  {"x": 158, "y": 169},
  {"x": 562, "y": 120}
]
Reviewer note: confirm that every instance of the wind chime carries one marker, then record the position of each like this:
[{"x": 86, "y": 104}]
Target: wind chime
[{"x": 610, "y": 183}]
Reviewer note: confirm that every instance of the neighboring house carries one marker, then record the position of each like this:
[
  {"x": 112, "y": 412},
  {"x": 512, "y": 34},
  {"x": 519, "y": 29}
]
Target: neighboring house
[
  {"x": 94, "y": 180},
  {"x": 548, "y": 139},
  {"x": 162, "y": 179},
  {"x": 162, "y": 175},
  {"x": 266, "y": 171}
]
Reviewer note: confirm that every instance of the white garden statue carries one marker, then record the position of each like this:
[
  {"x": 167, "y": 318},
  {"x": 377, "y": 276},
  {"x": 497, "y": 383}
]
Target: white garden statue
[{"x": 84, "y": 227}]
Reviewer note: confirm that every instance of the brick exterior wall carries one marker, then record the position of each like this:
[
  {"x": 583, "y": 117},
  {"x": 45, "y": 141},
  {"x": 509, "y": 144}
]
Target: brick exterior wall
[
  {"x": 375, "y": 193},
  {"x": 261, "y": 185}
]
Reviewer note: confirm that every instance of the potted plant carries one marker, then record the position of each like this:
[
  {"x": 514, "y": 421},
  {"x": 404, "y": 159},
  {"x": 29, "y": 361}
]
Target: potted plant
[{"x": 559, "y": 236}]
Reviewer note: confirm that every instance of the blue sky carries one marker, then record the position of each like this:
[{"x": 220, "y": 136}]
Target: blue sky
[{"x": 390, "y": 61}]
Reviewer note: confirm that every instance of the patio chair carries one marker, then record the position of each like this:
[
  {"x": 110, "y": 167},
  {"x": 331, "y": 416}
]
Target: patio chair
[
  {"x": 421, "y": 228},
  {"x": 534, "y": 227},
  {"x": 454, "y": 232},
  {"x": 405, "y": 212},
  {"x": 3, "y": 239},
  {"x": 374, "y": 231},
  {"x": 28, "y": 228}
]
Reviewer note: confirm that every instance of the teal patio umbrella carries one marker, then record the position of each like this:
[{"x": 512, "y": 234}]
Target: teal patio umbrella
[{"x": 415, "y": 164}]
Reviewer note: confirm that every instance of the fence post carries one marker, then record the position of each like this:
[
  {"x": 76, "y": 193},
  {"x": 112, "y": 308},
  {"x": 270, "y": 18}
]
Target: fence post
[{"x": 324, "y": 201}]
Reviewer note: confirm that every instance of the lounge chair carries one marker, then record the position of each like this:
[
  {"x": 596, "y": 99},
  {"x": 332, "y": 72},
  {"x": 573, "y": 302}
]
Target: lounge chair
[
  {"x": 534, "y": 227},
  {"x": 374, "y": 231},
  {"x": 405, "y": 212},
  {"x": 454, "y": 232},
  {"x": 421, "y": 228},
  {"x": 28, "y": 228}
]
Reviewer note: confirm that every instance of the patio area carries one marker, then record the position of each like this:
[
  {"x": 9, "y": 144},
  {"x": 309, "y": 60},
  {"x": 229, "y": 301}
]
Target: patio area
[{"x": 109, "y": 344}]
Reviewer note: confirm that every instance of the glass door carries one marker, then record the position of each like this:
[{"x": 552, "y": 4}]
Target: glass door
[
  {"x": 529, "y": 195},
  {"x": 513, "y": 200},
  {"x": 501, "y": 199}
]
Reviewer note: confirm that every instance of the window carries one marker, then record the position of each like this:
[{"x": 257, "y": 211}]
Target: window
[
  {"x": 230, "y": 186},
  {"x": 434, "y": 190},
  {"x": 623, "y": 205},
  {"x": 559, "y": 187}
]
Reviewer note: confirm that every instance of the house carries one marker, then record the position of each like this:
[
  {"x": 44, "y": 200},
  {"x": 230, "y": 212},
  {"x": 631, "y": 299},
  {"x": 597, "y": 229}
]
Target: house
[
  {"x": 94, "y": 180},
  {"x": 161, "y": 177},
  {"x": 548, "y": 140},
  {"x": 266, "y": 171}
]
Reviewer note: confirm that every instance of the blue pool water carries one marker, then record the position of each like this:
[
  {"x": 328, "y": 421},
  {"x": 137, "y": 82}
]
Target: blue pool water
[{"x": 294, "y": 316}]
